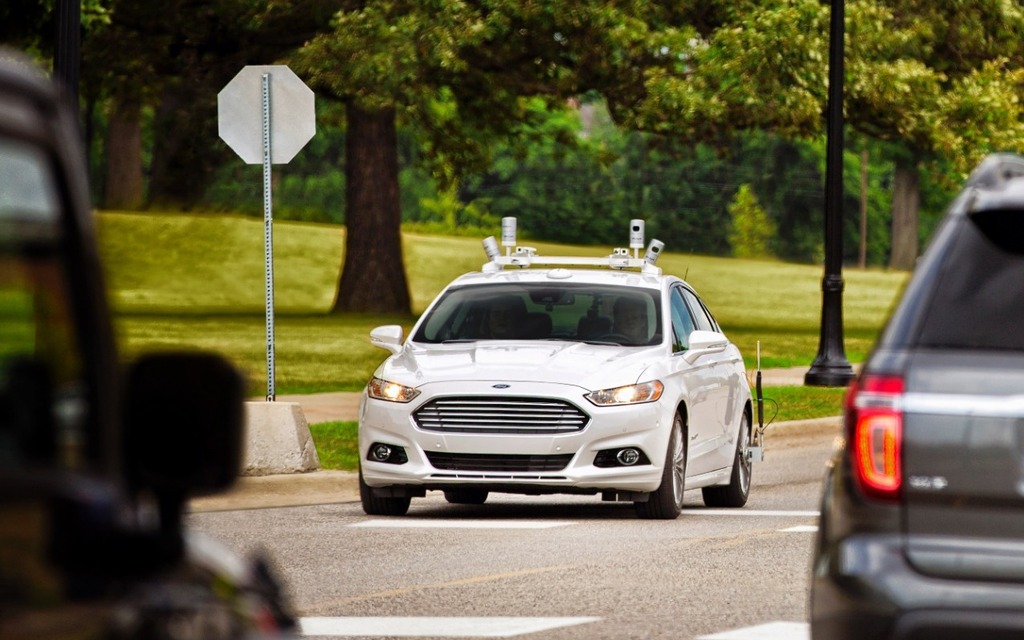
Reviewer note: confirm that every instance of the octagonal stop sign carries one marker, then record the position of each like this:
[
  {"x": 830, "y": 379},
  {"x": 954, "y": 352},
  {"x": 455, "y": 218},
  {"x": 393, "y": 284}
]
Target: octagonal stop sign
[{"x": 240, "y": 113}]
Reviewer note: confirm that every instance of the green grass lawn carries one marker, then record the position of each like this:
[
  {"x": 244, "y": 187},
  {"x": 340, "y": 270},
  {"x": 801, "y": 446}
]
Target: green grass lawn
[
  {"x": 336, "y": 445},
  {"x": 196, "y": 281}
]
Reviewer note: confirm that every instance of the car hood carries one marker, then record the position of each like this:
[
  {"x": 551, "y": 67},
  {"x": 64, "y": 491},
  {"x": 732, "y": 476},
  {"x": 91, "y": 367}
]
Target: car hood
[{"x": 576, "y": 363}]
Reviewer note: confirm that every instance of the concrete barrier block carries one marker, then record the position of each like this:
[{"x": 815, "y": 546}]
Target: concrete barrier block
[{"x": 277, "y": 440}]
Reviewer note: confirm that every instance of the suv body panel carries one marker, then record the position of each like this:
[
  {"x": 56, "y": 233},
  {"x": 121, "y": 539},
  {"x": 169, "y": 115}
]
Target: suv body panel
[{"x": 943, "y": 559}]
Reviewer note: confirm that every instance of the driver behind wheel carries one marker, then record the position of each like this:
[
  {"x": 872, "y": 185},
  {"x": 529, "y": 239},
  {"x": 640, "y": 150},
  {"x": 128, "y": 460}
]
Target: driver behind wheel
[{"x": 630, "y": 319}]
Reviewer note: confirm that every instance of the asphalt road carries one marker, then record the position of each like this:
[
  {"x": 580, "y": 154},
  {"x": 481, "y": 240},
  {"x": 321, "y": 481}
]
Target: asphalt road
[{"x": 557, "y": 567}]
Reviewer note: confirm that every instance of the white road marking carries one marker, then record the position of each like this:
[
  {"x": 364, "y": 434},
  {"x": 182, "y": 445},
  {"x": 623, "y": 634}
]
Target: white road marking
[
  {"x": 804, "y": 528},
  {"x": 749, "y": 512},
  {"x": 769, "y": 631},
  {"x": 414, "y": 523},
  {"x": 411, "y": 627}
]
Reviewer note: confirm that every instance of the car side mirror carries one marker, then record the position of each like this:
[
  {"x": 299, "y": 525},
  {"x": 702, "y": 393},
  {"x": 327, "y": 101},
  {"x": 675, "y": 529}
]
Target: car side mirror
[
  {"x": 184, "y": 424},
  {"x": 703, "y": 343},
  {"x": 387, "y": 337}
]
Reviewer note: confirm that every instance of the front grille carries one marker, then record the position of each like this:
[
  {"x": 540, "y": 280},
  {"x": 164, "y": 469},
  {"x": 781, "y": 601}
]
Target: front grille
[
  {"x": 497, "y": 462},
  {"x": 475, "y": 414}
]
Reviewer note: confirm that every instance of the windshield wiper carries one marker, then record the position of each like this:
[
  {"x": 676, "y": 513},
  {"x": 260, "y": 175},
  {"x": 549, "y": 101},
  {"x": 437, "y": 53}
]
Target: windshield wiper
[{"x": 458, "y": 340}]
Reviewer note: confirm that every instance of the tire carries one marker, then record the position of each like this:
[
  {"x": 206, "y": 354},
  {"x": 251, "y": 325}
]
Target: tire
[
  {"x": 378, "y": 506},
  {"x": 465, "y": 496},
  {"x": 734, "y": 494},
  {"x": 666, "y": 502}
]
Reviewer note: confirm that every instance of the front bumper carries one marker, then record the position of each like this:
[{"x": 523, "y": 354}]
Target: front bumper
[
  {"x": 863, "y": 587},
  {"x": 643, "y": 426}
]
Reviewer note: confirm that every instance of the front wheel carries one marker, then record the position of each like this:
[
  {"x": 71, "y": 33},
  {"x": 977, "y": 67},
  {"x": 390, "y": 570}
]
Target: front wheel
[
  {"x": 378, "y": 506},
  {"x": 666, "y": 502},
  {"x": 734, "y": 494}
]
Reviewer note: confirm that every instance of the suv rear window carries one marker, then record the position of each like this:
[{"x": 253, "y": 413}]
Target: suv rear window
[{"x": 979, "y": 299}]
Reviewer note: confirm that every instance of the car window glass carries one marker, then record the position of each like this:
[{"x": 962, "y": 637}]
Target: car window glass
[
  {"x": 682, "y": 322},
  {"x": 40, "y": 364},
  {"x": 978, "y": 302},
  {"x": 26, "y": 190},
  {"x": 538, "y": 311},
  {"x": 700, "y": 313}
]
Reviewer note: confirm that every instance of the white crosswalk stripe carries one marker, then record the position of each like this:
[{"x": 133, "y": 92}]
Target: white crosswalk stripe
[
  {"x": 768, "y": 631},
  {"x": 412, "y": 627},
  {"x": 750, "y": 512},
  {"x": 417, "y": 523}
]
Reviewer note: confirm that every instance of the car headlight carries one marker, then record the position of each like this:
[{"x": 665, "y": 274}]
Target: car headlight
[
  {"x": 629, "y": 394},
  {"x": 390, "y": 391}
]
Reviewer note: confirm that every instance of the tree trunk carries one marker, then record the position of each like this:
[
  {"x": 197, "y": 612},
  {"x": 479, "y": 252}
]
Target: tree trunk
[
  {"x": 373, "y": 278},
  {"x": 186, "y": 145},
  {"x": 862, "y": 248},
  {"x": 906, "y": 198},
  {"x": 123, "y": 186}
]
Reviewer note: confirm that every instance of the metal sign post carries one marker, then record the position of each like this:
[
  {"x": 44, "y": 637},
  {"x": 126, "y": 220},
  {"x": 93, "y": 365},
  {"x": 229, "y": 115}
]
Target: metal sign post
[
  {"x": 268, "y": 233},
  {"x": 259, "y": 134}
]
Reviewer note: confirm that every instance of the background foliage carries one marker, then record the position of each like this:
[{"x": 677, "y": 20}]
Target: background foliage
[{"x": 575, "y": 176}]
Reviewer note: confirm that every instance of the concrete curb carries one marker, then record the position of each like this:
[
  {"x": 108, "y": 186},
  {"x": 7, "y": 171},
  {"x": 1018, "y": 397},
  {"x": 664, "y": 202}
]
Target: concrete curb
[
  {"x": 283, "y": 490},
  {"x": 333, "y": 487},
  {"x": 277, "y": 440}
]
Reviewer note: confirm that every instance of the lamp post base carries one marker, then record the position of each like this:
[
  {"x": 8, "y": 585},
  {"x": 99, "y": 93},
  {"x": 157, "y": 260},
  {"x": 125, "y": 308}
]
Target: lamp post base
[{"x": 833, "y": 373}]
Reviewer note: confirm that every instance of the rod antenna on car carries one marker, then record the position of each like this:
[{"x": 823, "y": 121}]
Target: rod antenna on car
[{"x": 755, "y": 450}]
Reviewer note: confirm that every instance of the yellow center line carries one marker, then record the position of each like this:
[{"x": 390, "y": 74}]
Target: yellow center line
[{"x": 330, "y": 604}]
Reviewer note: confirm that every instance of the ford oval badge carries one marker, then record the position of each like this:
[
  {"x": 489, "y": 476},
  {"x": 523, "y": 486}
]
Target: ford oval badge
[{"x": 500, "y": 386}]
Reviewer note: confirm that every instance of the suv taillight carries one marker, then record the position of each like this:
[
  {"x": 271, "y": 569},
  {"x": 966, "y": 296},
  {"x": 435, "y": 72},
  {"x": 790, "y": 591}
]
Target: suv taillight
[{"x": 874, "y": 419}]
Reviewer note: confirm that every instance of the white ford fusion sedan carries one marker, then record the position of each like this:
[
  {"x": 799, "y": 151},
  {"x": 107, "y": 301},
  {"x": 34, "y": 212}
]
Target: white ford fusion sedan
[{"x": 559, "y": 375}]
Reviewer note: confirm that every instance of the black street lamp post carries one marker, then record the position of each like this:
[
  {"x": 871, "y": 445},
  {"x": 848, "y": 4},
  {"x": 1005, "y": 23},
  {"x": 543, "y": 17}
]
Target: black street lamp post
[
  {"x": 66, "y": 53},
  {"x": 831, "y": 368}
]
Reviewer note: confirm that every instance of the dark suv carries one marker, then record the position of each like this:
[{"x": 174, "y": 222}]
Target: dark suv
[
  {"x": 922, "y": 520},
  {"x": 96, "y": 462}
]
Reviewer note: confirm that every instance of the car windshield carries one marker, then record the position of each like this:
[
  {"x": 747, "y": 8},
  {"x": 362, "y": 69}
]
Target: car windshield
[
  {"x": 40, "y": 358},
  {"x": 591, "y": 313}
]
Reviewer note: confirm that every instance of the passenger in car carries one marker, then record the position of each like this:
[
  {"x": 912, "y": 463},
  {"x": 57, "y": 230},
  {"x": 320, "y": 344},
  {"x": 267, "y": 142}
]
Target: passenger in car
[
  {"x": 536, "y": 325},
  {"x": 593, "y": 325},
  {"x": 505, "y": 318},
  {"x": 630, "y": 318}
]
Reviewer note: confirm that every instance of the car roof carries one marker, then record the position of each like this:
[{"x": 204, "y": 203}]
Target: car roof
[
  {"x": 564, "y": 276},
  {"x": 522, "y": 264},
  {"x": 996, "y": 185}
]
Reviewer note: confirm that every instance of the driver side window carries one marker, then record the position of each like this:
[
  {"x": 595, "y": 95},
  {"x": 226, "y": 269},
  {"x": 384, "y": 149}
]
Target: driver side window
[
  {"x": 682, "y": 322},
  {"x": 40, "y": 364}
]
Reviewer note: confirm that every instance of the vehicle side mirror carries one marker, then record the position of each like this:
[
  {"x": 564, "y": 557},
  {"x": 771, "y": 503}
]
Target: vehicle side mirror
[
  {"x": 387, "y": 337},
  {"x": 703, "y": 343},
  {"x": 184, "y": 424}
]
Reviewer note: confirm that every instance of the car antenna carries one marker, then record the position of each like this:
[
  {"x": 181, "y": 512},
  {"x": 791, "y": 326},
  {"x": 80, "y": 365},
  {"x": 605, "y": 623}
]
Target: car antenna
[{"x": 756, "y": 450}]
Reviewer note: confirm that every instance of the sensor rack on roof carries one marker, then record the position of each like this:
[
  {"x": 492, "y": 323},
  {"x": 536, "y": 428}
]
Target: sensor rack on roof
[{"x": 525, "y": 257}]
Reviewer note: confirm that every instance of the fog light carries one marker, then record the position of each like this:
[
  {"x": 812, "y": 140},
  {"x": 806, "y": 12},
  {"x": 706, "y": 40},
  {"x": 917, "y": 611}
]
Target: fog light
[
  {"x": 387, "y": 453},
  {"x": 628, "y": 457},
  {"x": 624, "y": 457}
]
